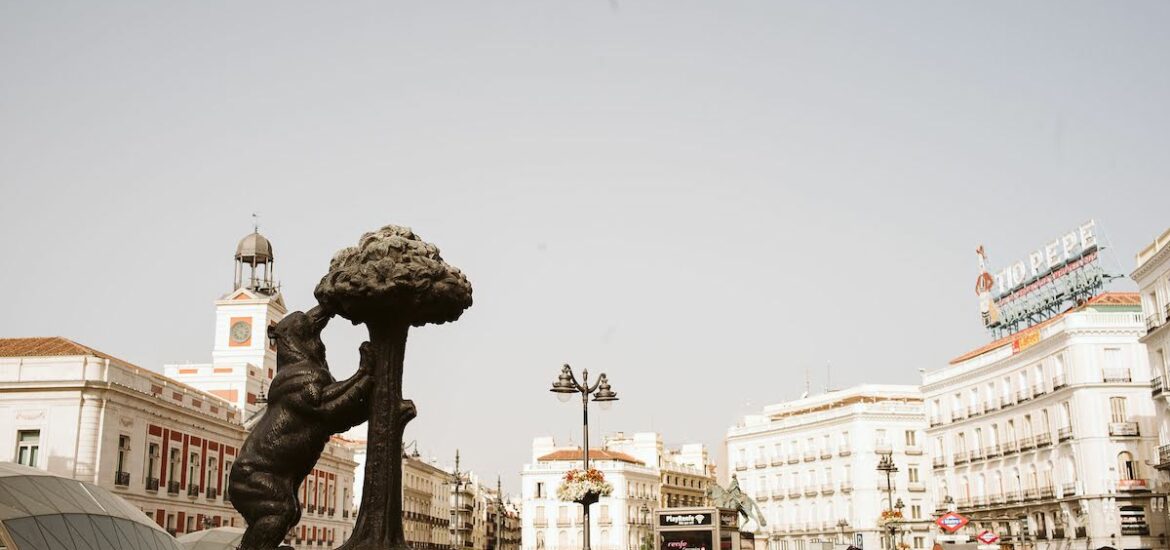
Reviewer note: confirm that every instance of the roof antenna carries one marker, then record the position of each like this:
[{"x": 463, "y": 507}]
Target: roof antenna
[
  {"x": 828, "y": 376},
  {"x": 255, "y": 222}
]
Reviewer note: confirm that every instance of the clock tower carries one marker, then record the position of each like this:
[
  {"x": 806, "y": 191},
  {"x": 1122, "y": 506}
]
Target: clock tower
[{"x": 243, "y": 360}]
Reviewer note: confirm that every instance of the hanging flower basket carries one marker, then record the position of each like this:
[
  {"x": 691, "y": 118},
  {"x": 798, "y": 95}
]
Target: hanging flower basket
[
  {"x": 584, "y": 487},
  {"x": 890, "y": 516}
]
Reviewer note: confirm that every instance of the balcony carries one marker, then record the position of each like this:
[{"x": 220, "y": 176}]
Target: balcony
[
  {"x": 1064, "y": 434},
  {"x": 1058, "y": 382},
  {"x": 1026, "y": 443},
  {"x": 1012, "y": 496},
  {"x": 827, "y": 489},
  {"x": 543, "y": 521},
  {"x": 916, "y": 487},
  {"x": 794, "y": 492},
  {"x": 1023, "y": 395},
  {"x": 1038, "y": 390},
  {"x": 809, "y": 456},
  {"x": 995, "y": 498},
  {"x": 883, "y": 447},
  {"x": 1163, "y": 458},
  {"x": 992, "y": 404},
  {"x": 959, "y": 458},
  {"x": 978, "y": 502},
  {"x": 846, "y": 487},
  {"x": 913, "y": 450},
  {"x": 172, "y": 487},
  {"x": 1123, "y": 429},
  {"x": 1117, "y": 376},
  {"x": 777, "y": 494},
  {"x": 740, "y": 467},
  {"x": 974, "y": 454},
  {"x": 761, "y": 463},
  {"x": 844, "y": 450},
  {"x": 938, "y": 462},
  {"x": 605, "y": 521},
  {"x": 152, "y": 484},
  {"x": 1044, "y": 440},
  {"x": 1047, "y": 491},
  {"x": 1031, "y": 493},
  {"x": 793, "y": 459},
  {"x": 212, "y": 493},
  {"x": 1068, "y": 489},
  {"x": 122, "y": 479},
  {"x": 959, "y": 414},
  {"x": 1132, "y": 485},
  {"x": 935, "y": 421},
  {"x": 1005, "y": 401},
  {"x": 992, "y": 451},
  {"x": 1157, "y": 386},
  {"x": 826, "y": 454},
  {"x": 536, "y": 522},
  {"x": 777, "y": 461},
  {"x": 810, "y": 491},
  {"x": 762, "y": 496},
  {"x": 1153, "y": 321}
]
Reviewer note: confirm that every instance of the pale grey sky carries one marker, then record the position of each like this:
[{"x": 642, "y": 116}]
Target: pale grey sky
[{"x": 701, "y": 198}]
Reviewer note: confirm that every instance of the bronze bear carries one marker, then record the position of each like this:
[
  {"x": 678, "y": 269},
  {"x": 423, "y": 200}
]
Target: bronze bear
[{"x": 305, "y": 408}]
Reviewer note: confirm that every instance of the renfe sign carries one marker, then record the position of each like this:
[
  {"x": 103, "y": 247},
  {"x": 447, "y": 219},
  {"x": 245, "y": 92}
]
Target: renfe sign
[{"x": 1049, "y": 258}]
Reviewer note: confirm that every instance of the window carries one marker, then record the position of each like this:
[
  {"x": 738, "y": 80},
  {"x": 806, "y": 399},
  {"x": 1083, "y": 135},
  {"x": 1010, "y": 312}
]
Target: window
[
  {"x": 1117, "y": 409},
  {"x": 912, "y": 473},
  {"x": 1126, "y": 467},
  {"x": 915, "y": 511},
  {"x": 911, "y": 438},
  {"x": 28, "y": 446},
  {"x": 193, "y": 469},
  {"x": 540, "y": 486},
  {"x": 173, "y": 467},
  {"x": 212, "y": 475},
  {"x": 227, "y": 471},
  {"x": 123, "y": 448},
  {"x": 152, "y": 460}
]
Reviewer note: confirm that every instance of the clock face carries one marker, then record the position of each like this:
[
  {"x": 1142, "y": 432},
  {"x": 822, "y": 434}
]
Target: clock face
[{"x": 241, "y": 332}]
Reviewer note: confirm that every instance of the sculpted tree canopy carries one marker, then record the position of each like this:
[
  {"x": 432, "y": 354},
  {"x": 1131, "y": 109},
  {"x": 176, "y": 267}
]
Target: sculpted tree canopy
[
  {"x": 392, "y": 280},
  {"x": 392, "y": 273}
]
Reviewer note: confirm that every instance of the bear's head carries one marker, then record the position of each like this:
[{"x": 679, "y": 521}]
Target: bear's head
[{"x": 298, "y": 337}]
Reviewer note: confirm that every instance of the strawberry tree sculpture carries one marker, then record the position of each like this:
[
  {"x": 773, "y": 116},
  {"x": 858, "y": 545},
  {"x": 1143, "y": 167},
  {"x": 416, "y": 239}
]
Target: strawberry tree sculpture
[{"x": 391, "y": 281}]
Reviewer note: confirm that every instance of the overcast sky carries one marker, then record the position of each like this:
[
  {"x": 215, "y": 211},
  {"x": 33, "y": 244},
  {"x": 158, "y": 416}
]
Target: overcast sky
[{"x": 701, "y": 198}]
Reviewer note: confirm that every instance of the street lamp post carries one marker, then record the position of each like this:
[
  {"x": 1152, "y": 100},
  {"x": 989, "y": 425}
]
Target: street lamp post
[
  {"x": 897, "y": 525},
  {"x": 886, "y": 464},
  {"x": 565, "y": 386}
]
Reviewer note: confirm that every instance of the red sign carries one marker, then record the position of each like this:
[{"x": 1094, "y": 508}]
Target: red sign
[
  {"x": 951, "y": 522},
  {"x": 987, "y": 537}
]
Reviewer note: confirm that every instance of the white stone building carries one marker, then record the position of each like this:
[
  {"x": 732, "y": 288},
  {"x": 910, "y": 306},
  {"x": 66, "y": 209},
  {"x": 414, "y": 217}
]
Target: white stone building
[
  {"x": 1152, "y": 275},
  {"x": 685, "y": 473},
  {"x": 1050, "y": 430},
  {"x": 811, "y": 466},
  {"x": 166, "y": 445},
  {"x": 618, "y": 522}
]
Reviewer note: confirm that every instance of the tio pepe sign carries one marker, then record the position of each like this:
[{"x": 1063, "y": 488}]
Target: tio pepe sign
[
  {"x": 1052, "y": 256},
  {"x": 951, "y": 522}
]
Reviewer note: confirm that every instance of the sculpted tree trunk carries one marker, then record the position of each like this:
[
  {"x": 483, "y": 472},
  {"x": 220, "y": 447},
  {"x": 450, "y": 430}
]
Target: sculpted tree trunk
[
  {"x": 391, "y": 281},
  {"x": 389, "y": 414}
]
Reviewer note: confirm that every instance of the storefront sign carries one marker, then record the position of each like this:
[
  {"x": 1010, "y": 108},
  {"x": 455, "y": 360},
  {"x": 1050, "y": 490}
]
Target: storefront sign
[
  {"x": 1025, "y": 340},
  {"x": 686, "y": 540},
  {"x": 683, "y": 520}
]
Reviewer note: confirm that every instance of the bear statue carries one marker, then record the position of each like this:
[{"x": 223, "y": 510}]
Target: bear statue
[{"x": 305, "y": 408}]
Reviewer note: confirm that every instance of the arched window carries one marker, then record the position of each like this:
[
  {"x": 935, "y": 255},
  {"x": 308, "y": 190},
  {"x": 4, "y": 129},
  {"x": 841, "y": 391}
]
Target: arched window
[
  {"x": 562, "y": 539},
  {"x": 1126, "y": 467}
]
